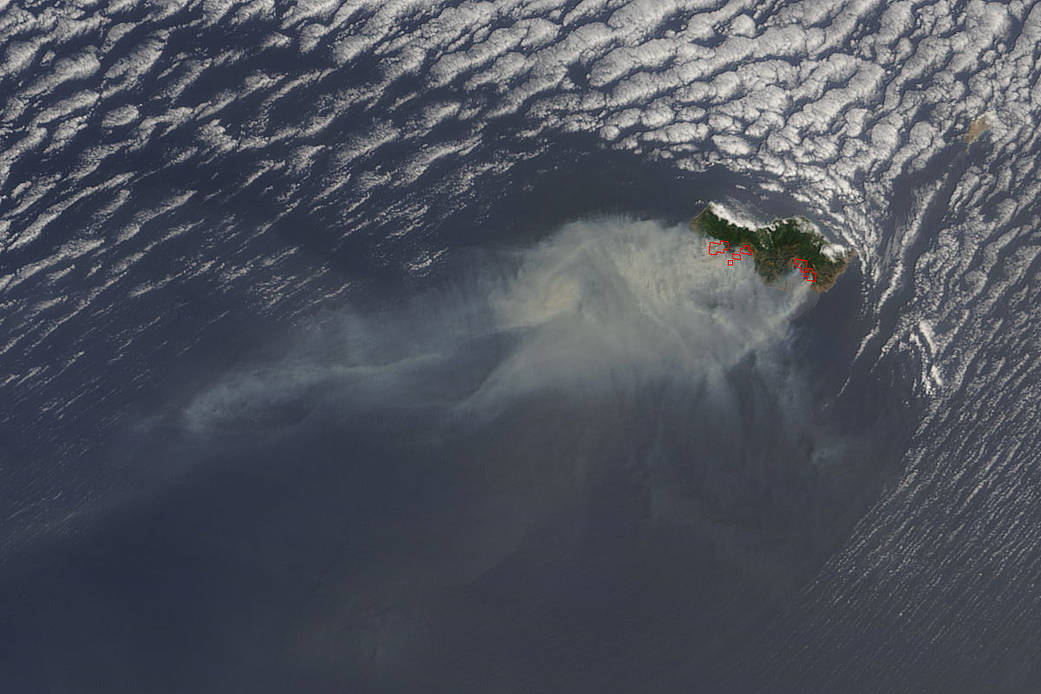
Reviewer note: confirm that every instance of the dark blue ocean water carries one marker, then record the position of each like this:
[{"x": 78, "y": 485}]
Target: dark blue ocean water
[{"x": 365, "y": 348}]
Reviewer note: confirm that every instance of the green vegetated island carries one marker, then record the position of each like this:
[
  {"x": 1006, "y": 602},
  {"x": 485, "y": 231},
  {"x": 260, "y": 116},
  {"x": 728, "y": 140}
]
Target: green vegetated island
[{"x": 776, "y": 245}]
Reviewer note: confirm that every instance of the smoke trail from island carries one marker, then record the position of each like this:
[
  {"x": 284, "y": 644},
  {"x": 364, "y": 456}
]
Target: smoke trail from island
[
  {"x": 604, "y": 306},
  {"x": 612, "y": 378},
  {"x": 610, "y": 419}
]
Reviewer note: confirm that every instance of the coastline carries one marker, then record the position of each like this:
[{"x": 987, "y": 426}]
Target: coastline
[{"x": 775, "y": 246}]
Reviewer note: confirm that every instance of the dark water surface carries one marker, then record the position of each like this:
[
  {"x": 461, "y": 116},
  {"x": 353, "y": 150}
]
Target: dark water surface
[{"x": 365, "y": 348}]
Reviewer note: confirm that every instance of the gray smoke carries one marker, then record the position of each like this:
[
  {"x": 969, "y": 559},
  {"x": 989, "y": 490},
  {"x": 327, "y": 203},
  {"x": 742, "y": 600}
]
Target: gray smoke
[
  {"x": 578, "y": 465},
  {"x": 610, "y": 390}
]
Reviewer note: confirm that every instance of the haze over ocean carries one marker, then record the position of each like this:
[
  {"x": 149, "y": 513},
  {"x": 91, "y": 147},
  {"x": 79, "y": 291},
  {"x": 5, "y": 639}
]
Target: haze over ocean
[{"x": 364, "y": 347}]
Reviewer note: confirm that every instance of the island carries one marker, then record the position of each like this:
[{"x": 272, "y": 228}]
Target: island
[
  {"x": 976, "y": 128},
  {"x": 779, "y": 247}
]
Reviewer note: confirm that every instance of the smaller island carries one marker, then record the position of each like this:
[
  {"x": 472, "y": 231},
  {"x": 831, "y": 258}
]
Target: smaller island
[
  {"x": 776, "y": 246},
  {"x": 976, "y": 128}
]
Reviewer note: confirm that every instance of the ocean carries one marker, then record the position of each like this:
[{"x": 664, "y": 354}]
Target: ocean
[{"x": 365, "y": 347}]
